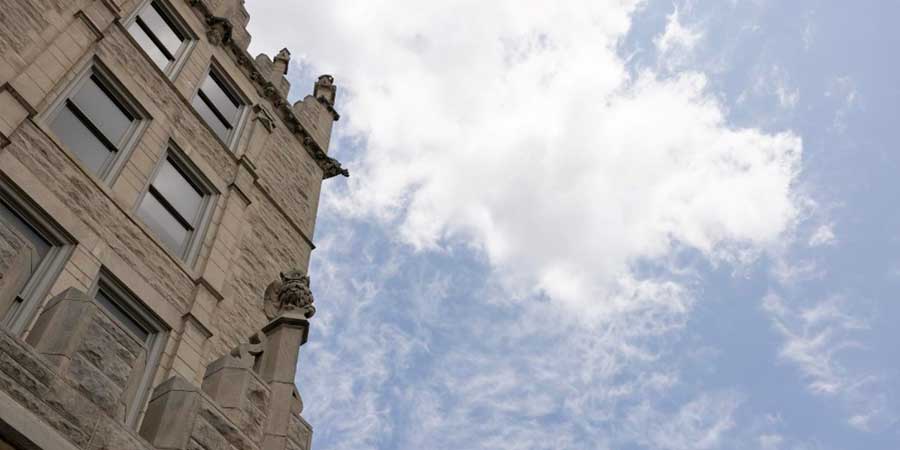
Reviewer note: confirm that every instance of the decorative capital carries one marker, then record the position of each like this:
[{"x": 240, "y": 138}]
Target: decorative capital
[{"x": 290, "y": 293}]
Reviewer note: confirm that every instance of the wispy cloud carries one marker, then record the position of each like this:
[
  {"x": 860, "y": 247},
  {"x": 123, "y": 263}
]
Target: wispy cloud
[
  {"x": 818, "y": 340},
  {"x": 823, "y": 236},
  {"x": 677, "y": 43},
  {"x": 700, "y": 424}
]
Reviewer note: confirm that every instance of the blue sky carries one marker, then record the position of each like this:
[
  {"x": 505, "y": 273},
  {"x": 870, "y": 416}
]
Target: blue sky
[{"x": 609, "y": 224}]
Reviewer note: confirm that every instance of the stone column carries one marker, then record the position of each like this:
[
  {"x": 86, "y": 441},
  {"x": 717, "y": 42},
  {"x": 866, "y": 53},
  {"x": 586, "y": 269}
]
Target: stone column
[
  {"x": 232, "y": 384},
  {"x": 277, "y": 367}
]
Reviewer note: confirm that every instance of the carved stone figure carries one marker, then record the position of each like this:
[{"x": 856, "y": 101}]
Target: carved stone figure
[
  {"x": 290, "y": 293},
  {"x": 219, "y": 30},
  {"x": 333, "y": 168}
]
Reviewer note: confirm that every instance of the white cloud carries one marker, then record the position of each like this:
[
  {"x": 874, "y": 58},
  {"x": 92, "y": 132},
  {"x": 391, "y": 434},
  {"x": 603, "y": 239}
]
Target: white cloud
[
  {"x": 772, "y": 82},
  {"x": 842, "y": 90},
  {"x": 411, "y": 364},
  {"x": 770, "y": 442},
  {"x": 823, "y": 235},
  {"x": 515, "y": 126},
  {"x": 818, "y": 340},
  {"x": 698, "y": 425},
  {"x": 676, "y": 44}
]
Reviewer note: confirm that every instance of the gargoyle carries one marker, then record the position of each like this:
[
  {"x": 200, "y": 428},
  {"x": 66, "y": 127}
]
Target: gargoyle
[{"x": 290, "y": 293}]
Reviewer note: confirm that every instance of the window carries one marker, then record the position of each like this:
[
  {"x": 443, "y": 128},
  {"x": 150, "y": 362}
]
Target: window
[
  {"x": 32, "y": 253},
  {"x": 177, "y": 205},
  {"x": 219, "y": 106},
  {"x": 95, "y": 123},
  {"x": 161, "y": 35},
  {"x": 123, "y": 307}
]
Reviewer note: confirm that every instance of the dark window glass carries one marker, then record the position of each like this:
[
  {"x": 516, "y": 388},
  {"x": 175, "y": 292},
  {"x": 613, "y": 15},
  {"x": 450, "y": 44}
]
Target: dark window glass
[
  {"x": 160, "y": 27},
  {"x": 40, "y": 245},
  {"x": 173, "y": 205},
  {"x": 163, "y": 222},
  {"x": 210, "y": 117},
  {"x": 105, "y": 300},
  {"x": 81, "y": 140},
  {"x": 221, "y": 101},
  {"x": 102, "y": 111},
  {"x": 156, "y": 35},
  {"x": 146, "y": 43},
  {"x": 181, "y": 194}
]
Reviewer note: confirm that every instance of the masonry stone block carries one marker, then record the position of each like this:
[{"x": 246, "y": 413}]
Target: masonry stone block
[
  {"x": 91, "y": 350},
  {"x": 169, "y": 419}
]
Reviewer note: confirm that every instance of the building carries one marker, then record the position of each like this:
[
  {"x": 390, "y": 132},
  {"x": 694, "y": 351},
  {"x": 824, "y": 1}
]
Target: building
[{"x": 158, "y": 197}]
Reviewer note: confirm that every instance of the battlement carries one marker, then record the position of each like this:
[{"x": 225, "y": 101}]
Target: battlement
[{"x": 312, "y": 119}]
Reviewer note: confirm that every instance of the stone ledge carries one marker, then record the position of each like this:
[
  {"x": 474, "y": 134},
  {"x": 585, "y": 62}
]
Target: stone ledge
[{"x": 26, "y": 430}]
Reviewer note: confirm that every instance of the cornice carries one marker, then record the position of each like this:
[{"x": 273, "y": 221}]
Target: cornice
[{"x": 218, "y": 32}]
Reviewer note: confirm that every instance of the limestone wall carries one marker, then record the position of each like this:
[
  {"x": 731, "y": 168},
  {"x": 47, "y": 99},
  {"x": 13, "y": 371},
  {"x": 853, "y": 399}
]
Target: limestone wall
[{"x": 267, "y": 183}]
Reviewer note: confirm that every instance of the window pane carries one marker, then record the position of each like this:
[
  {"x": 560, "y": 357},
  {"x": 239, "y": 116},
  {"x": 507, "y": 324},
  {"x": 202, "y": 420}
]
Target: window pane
[
  {"x": 162, "y": 223},
  {"x": 220, "y": 100},
  {"x": 121, "y": 316},
  {"x": 158, "y": 26},
  {"x": 148, "y": 45},
  {"x": 210, "y": 117},
  {"x": 80, "y": 140},
  {"x": 178, "y": 191},
  {"x": 41, "y": 246},
  {"x": 102, "y": 111}
]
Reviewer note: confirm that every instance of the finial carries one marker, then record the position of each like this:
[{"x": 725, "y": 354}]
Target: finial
[{"x": 283, "y": 56}]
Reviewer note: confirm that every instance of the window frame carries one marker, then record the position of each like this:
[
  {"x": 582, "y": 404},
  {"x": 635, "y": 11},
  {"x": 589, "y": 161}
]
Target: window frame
[
  {"x": 172, "y": 18},
  {"x": 183, "y": 165},
  {"x": 115, "y": 90},
  {"x": 158, "y": 333},
  {"x": 24, "y": 307},
  {"x": 219, "y": 75}
]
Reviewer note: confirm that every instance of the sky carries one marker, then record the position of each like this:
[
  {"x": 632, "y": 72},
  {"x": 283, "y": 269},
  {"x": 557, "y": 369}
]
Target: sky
[{"x": 604, "y": 224}]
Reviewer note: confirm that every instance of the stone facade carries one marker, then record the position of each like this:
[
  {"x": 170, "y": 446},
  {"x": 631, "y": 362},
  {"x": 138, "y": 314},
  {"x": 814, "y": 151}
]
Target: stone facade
[{"x": 218, "y": 371}]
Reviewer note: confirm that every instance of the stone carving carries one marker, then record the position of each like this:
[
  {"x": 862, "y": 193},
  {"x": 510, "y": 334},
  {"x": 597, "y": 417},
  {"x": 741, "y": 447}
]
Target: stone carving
[
  {"x": 332, "y": 168},
  {"x": 248, "y": 353},
  {"x": 290, "y": 293},
  {"x": 264, "y": 117},
  {"x": 219, "y": 31}
]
